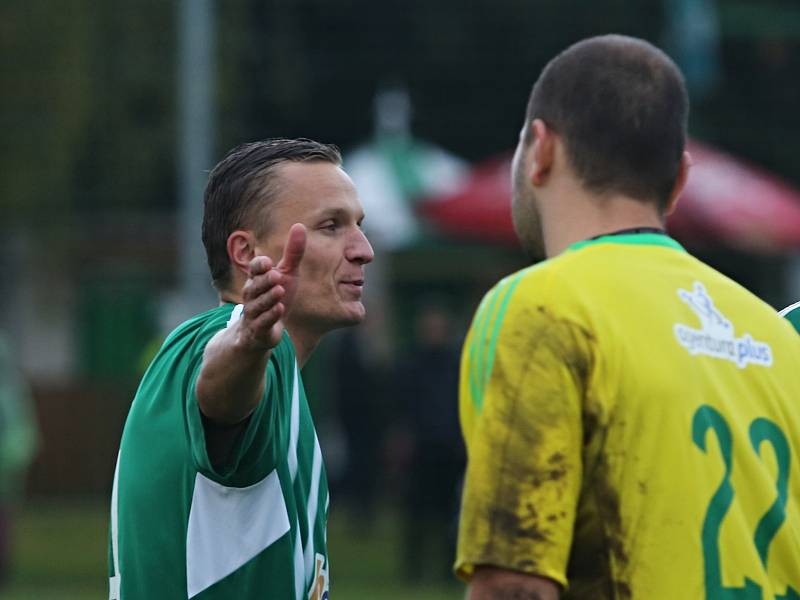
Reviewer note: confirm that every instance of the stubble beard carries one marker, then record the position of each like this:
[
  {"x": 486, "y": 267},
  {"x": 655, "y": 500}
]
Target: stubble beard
[{"x": 527, "y": 219}]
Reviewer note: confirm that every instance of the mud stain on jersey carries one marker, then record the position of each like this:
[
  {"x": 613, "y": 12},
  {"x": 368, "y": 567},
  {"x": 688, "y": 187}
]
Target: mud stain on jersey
[
  {"x": 510, "y": 525},
  {"x": 520, "y": 534},
  {"x": 599, "y": 560},
  {"x": 555, "y": 470}
]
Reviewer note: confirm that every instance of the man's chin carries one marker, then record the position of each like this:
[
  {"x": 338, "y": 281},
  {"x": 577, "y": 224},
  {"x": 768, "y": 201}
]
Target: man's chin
[
  {"x": 351, "y": 314},
  {"x": 356, "y": 313}
]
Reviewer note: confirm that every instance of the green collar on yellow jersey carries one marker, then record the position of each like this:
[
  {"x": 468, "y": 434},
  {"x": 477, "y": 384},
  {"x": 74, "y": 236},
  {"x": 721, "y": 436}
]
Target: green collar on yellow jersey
[{"x": 637, "y": 239}]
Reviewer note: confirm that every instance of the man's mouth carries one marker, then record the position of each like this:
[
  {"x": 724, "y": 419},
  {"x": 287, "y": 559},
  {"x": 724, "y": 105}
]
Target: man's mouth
[{"x": 356, "y": 286}]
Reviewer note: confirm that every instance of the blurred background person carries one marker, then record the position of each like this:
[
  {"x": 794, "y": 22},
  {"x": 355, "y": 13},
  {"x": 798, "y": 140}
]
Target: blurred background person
[
  {"x": 18, "y": 439},
  {"x": 357, "y": 395},
  {"x": 426, "y": 388}
]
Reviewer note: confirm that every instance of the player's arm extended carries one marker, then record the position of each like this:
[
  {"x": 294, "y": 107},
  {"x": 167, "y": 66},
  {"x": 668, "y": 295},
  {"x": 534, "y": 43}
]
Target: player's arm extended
[
  {"x": 491, "y": 583},
  {"x": 232, "y": 376}
]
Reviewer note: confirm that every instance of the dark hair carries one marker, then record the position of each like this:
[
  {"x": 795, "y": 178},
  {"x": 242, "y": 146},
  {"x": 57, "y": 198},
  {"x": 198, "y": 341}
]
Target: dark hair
[
  {"x": 242, "y": 185},
  {"x": 621, "y": 107}
]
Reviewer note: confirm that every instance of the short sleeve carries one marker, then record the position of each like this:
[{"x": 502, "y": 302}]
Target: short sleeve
[
  {"x": 524, "y": 373},
  {"x": 252, "y": 456},
  {"x": 242, "y": 466}
]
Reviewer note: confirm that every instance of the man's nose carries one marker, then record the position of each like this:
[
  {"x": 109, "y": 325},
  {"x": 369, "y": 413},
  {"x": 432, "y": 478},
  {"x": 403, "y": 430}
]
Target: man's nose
[{"x": 359, "y": 250}]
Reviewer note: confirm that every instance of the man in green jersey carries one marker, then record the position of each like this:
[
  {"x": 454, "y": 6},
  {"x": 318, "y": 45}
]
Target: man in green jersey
[
  {"x": 220, "y": 490},
  {"x": 792, "y": 313}
]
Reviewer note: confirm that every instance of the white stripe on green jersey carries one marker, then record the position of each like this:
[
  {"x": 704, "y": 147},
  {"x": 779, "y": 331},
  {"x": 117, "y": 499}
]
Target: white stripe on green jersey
[
  {"x": 251, "y": 528},
  {"x": 792, "y": 313}
]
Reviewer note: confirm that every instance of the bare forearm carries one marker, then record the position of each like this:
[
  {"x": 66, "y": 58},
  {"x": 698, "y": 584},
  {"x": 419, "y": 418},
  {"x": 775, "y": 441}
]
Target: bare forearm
[{"x": 232, "y": 378}]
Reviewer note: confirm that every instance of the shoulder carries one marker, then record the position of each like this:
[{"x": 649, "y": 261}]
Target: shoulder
[
  {"x": 530, "y": 307},
  {"x": 544, "y": 289},
  {"x": 792, "y": 314},
  {"x": 747, "y": 307},
  {"x": 215, "y": 318},
  {"x": 197, "y": 331}
]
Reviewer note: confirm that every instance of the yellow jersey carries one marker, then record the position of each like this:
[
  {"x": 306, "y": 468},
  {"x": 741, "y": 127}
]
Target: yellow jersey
[{"x": 632, "y": 422}]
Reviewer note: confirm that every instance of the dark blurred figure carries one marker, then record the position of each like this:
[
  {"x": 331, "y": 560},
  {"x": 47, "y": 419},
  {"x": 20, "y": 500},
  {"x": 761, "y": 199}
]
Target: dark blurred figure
[
  {"x": 356, "y": 393},
  {"x": 18, "y": 435},
  {"x": 427, "y": 388}
]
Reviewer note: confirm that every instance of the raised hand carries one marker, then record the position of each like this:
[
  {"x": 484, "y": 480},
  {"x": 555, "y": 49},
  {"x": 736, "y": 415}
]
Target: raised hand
[
  {"x": 231, "y": 381},
  {"x": 268, "y": 293}
]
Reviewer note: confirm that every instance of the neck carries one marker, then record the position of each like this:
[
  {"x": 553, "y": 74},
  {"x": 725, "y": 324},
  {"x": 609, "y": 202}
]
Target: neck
[
  {"x": 576, "y": 215},
  {"x": 233, "y": 293},
  {"x": 304, "y": 342}
]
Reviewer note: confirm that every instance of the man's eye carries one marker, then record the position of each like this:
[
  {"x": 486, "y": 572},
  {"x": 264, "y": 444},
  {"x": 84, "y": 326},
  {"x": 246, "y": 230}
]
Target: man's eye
[{"x": 329, "y": 226}]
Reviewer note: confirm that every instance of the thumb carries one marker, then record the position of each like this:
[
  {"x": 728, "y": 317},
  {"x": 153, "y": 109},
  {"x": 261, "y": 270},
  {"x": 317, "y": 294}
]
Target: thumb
[{"x": 294, "y": 249}]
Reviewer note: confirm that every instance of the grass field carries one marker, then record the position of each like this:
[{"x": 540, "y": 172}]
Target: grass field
[{"x": 61, "y": 555}]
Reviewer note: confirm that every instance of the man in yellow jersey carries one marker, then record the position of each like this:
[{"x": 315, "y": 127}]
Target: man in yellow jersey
[{"x": 632, "y": 417}]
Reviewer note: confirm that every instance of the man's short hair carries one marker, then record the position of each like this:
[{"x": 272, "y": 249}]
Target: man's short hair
[
  {"x": 240, "y": 189},
  {"x": 621, "y": 107}
]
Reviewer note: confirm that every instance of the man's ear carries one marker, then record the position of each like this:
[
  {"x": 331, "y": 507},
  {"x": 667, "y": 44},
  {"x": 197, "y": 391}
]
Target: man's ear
[
  {"x": 680, "y": 182},
  {"x": 241, "y": 250},
  {"x": 542, "y": 152}
]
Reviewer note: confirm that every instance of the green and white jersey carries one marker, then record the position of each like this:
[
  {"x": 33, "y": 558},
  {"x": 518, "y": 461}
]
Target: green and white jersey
[
  {"x": 792, "y": 313},
  {"x": 251, "y": 528}
]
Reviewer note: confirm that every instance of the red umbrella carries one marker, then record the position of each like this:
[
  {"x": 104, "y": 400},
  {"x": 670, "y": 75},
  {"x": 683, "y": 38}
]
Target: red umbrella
[
  {"x": 730, "y": 201},
  {"x": 480, "y": 208},
  {"x": 726, "y": 201}
]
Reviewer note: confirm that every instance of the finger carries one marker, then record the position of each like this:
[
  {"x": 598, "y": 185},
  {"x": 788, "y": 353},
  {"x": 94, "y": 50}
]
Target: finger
[
  {"x": 264, "y": 302},
  {"x": 294, "y": 249},
  {"x": 259, "y": 265},
  {"x": 262, "y": 325},
  {"x": 265, "y": 331},
  {"x": 255, "y": 286}
]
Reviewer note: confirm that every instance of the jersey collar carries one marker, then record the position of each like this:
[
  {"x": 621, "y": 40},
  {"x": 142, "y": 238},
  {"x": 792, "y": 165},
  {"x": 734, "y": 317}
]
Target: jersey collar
[{"x": 634, "y": 239}]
